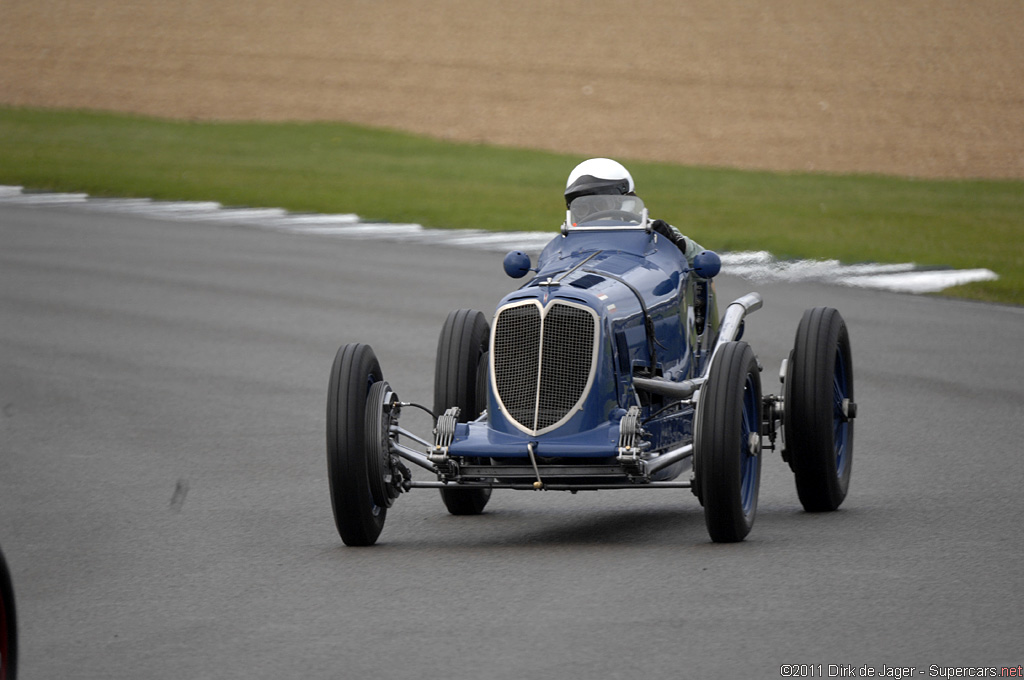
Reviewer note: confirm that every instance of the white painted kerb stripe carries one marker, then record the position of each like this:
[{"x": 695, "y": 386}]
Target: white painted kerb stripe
[{"x": 755, "y": 266}]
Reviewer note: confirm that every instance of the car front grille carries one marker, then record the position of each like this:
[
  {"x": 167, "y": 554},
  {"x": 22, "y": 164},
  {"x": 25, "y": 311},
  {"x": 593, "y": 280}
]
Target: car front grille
[{"x": 543, "y": 361}]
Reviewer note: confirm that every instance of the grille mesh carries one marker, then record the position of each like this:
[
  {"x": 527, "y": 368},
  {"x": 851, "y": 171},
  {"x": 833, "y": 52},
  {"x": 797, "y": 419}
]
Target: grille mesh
[
  {"x": 516, "y": 339},
  {"x": 568, "y": 347}
]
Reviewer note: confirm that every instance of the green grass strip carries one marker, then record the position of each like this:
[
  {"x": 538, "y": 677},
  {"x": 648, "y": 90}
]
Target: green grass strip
[{"x": 397, "y": 177}]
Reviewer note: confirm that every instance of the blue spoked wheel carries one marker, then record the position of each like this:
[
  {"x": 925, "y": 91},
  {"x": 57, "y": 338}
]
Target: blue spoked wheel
[
  {"x": 358, "y": 518},
  {"x": 728, "y": 444},
  {"x": 820, "y": 409}
]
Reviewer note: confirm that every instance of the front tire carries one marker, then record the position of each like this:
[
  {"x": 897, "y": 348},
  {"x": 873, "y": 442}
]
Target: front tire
[
  {"x": 358, "y": 518},
  {"x": 460, "y": 380},
  {"x": 820, "y": 410},
  {"x": 728, "y": 443}
]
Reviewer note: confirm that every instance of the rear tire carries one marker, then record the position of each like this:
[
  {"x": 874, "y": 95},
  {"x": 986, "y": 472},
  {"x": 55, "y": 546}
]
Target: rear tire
[
  {"x": 728, "y": 443},
  {"x": 818, "y": 430},
  {"x": 359, "y": 520},
  {"x": 460, "y": 379}
]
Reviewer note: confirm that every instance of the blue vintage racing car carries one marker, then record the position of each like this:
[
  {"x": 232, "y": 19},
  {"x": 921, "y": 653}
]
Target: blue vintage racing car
[{"x": 610, "y": 368}]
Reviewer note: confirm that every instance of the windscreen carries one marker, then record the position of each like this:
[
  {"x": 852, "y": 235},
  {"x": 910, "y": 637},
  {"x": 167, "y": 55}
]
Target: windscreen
[{"x": 606, "y": 211}]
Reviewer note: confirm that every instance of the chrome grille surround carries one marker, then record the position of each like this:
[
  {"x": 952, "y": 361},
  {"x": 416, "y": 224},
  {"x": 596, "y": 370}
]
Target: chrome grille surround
[{"x": 543, "y": 361}]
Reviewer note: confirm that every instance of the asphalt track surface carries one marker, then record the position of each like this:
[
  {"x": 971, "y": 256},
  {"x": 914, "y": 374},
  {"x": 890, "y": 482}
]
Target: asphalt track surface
[{"x": 165, "y": 513}]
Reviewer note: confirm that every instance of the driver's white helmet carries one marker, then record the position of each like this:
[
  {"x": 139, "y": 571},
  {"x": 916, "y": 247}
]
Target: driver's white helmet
[{"x": 598, "y": 176}]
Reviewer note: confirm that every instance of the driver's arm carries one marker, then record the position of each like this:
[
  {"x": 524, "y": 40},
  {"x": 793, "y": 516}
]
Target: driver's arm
[{"x": 689, "y": 247}]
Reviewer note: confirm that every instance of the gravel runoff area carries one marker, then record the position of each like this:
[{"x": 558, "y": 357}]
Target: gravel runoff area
[{"x": 927, "y": 88}]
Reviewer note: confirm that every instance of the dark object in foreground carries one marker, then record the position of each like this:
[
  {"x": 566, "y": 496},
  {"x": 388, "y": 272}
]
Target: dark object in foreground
[{"x": 8, "y": 625}]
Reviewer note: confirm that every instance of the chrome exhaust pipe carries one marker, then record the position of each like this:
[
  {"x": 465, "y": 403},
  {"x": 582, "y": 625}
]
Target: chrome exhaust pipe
[{"x": 728, "y": 330}]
